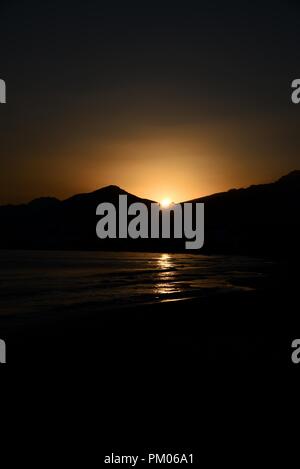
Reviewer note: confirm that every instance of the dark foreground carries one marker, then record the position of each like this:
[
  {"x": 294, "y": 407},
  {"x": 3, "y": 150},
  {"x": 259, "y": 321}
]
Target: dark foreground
[
  {"x": 166, "y": 378},
  {"x": 240, "y": 331}
]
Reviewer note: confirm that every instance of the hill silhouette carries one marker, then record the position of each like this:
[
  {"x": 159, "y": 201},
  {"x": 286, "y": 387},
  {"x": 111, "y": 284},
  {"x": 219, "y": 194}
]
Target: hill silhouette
[{"x": 258, "y": 220}]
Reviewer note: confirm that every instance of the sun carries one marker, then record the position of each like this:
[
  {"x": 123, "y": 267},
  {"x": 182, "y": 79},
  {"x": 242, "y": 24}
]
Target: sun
[{"x": 165, "y": 203}]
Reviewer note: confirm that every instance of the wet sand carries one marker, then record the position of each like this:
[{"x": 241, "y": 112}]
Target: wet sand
[{"x": 238, "y": 329}]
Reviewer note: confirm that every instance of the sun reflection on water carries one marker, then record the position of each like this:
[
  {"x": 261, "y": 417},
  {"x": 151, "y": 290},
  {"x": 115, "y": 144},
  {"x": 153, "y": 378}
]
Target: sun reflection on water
[{"x": 166, "y": 276}]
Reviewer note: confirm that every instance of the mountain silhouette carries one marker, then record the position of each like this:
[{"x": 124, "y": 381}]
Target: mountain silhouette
[{"x": 258, "y": 220}]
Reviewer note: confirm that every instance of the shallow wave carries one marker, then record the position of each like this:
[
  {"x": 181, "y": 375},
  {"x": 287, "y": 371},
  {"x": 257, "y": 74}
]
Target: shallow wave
[{"x": 39, "y": 282}]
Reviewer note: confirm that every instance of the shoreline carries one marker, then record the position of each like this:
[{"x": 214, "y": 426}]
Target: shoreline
[{"x": 187, "y": 330}]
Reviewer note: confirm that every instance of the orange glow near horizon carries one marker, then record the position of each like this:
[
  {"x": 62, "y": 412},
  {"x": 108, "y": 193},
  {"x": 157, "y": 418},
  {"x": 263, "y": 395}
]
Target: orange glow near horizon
[
  {"x": 179, "y": 167},
  {"x": 180, "y": 164}
]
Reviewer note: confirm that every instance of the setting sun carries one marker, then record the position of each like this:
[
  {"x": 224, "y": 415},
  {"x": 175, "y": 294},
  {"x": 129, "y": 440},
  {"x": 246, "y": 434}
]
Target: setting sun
[{"x": 165, "y": 203}]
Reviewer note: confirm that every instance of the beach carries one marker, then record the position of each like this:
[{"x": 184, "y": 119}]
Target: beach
[{"x": 94, "y": 307}]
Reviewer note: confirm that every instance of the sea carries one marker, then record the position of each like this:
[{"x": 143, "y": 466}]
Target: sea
[{"x": 45, "y": 282}]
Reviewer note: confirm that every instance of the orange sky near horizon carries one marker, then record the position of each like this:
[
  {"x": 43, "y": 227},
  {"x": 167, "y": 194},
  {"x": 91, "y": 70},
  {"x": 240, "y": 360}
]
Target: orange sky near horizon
[{"x": 180, "y": 163}]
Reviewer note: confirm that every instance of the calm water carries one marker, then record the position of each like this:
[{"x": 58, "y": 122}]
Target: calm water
[{"x": 40, "y": 282}]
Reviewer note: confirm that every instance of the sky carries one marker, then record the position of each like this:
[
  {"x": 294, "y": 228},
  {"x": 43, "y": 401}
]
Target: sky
[{"x": 164, "y": 99}]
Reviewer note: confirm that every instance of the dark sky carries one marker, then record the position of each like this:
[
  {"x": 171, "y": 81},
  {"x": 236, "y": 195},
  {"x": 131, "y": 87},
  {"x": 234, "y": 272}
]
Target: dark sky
[{"x": 163, "y": 99}]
